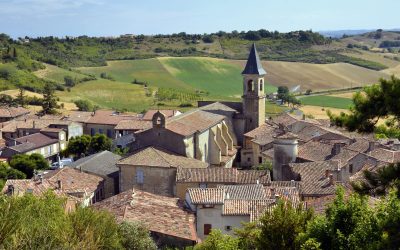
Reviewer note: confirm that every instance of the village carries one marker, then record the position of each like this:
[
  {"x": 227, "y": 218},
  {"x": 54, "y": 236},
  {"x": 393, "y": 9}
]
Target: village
[{"x": 213, "y": 167}]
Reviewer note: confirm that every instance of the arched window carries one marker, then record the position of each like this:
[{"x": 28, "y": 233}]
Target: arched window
[
  {"x": 250, "y": 85},
  {"x": 261, "y": 86}
]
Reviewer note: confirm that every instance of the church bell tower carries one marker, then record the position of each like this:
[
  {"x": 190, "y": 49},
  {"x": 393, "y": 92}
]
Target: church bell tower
[{"x": 253, "y": 91}]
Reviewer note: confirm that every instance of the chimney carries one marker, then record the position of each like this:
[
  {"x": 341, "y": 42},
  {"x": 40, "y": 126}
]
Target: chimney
[
  {"x": 336, "y": 149},
  {"x": 272, "y": 193},
  {"x": 371, "y": 146},
  {"x": 227, "y": 196},
  {"x": 331, "y": 181},
  {"x": 10, "y": 189},
  {"x": 59, "y": 184},
  {"x": 293, "y": 184},
  {"x": 40, "y": 179},
  {"x": 258, "y": 182}
]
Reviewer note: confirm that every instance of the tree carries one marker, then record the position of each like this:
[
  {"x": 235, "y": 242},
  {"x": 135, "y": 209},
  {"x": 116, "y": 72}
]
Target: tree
[
  {"x": 100, "y": 142},
  {"x": 27, "y": 164},
  {"x": 69, "y": 81},
  {"x": 218, "y": 241},
  {"x": 373, "y": 103},
  {"x": 21, "y": 98},
  {"x": 208, "y": 39},
  {"x": 347, "y": 224},
  {"x": 79, "y": 145},
  {"x": 389, "y": 220},
  {"x": 49, "y": 105},
  {"x": 379, "y": 182},
  {"x": 84, "y": 105},
  {"x": 280, "y": 227},
  {"x": 7, "y": 172},
  {"x": 6, "y": 100},
  {"x": 135, "y": 237},
  {"x": 283, "y": 93}
]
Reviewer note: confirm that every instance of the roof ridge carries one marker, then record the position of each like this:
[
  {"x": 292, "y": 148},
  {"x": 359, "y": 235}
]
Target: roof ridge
[{"x": 157, "y": 151}]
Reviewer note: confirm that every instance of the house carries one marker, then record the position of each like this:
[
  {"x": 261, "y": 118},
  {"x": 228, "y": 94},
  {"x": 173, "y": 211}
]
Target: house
[
  {"x": 154, "y": 169},
  {"x": 227, "y": 207},
  {"x": 318, "y": 179},
  {"x": 48, "y": 143},
  {"x": 11, "y": 113},
  {"x": 126, "y": 129},
  {"x": 105, "y": 121},
  {"x": 212, "y": 177},
  {"x": 80, "y": 188},
  {"x": 168, "y": 221},
  {"x": 102, "y": 164},
  {"x": 18, "y": 128}
]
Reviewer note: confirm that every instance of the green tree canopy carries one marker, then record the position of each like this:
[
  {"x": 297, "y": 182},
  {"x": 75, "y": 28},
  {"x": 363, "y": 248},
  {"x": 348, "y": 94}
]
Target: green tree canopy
[
  {"x": 49, "y": 104},
  {"x": 373, "y": 103},
  {"x": 27, "y": 164},
  {"x": 84, "y": 105},
  {"x": 347, "y": 224},
  {"x": 30, "y": 222},
  {"x": 100, "y": 142}
]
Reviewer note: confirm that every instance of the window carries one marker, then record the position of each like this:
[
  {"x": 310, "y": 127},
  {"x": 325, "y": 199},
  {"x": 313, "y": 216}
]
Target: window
[
  {"x": 109, "y": 133},
  {"x": 139, "y": 176},
  {"x": 92, "y": 131},
  {"x": 250, "y": 85},
  {"x": 260, "y": 159},
  {"x": 351, "y": 168},
  {"x": 100, "y": 130},
  {"x": 248, "y": 159},
  {"x": 203, "y": 185},
  {"x": 205, "y": 153},
  {"x": 207, "y": 229},
  {"x": 261, "y": 86},
  {"x": 228, "y": 228}
]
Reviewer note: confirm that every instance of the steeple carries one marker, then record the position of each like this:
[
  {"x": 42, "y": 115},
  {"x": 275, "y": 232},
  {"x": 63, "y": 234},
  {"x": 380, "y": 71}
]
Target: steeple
[{"x": 253, "y": 65}]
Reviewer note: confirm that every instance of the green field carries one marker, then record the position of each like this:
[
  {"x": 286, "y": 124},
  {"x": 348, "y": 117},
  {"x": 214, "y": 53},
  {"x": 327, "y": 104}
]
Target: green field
[
  {"x": 327, "y": 101},
  {"x": 57, "y": 74}
]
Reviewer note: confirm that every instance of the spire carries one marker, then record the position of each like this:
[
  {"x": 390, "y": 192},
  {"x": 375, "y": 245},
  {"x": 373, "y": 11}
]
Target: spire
[{"x": 253, "y": 65}]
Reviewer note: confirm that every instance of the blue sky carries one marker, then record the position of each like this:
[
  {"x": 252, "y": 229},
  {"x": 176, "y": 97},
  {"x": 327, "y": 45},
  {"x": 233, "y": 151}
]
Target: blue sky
[{"x": 114, "y": 17}]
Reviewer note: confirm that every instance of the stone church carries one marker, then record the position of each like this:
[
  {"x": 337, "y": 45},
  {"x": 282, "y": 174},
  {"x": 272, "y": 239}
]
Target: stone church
[{"x": 213, "y": 132}]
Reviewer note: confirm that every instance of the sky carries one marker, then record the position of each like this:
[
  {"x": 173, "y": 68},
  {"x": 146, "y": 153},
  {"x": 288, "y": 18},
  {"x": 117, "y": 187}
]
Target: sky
[{"x": 33, "y": 18}]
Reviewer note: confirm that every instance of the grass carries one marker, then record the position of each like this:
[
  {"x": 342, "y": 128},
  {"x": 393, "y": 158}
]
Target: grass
[
  {"x": 327, "y": 101},
  {"x": 272, "y": 109},
  {"x": 148, "y": 70},
  {"x": 57, "y": 74},
  {"x": 110, "y": 94}
]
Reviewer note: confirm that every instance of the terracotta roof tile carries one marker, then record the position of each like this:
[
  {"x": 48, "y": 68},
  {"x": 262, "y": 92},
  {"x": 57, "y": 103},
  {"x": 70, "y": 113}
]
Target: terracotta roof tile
[
  {"x": 158, "y": 213},
  {"x": 222, "y": 175},
  {"x": 12, "y": 112},
  {"x": 33, "y": 141},
  {"x": 74, "y": 180},
  {"x": 315, "y": 151},
  {"x": 385, "y": 155},
  {"x": 190, "y": 122},
  {"x": 133, "y": 125},
  {"x": 313, "y": 177},
  {"x": 157, "y": 157},
  {"x": 166, "y": 112},
  {"x": 109, "y": 117},
  {"x": 207, "y": 195}
]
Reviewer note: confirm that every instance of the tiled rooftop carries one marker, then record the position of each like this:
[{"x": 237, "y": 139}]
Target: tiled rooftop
[
  {"x": 222, "y": 175},
  {"x": 313, "y": 177},
  {"x": 158, "y": 213},
  {"x": 11, "y": 112},
  {"x": 157, "y": 157}
]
